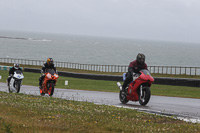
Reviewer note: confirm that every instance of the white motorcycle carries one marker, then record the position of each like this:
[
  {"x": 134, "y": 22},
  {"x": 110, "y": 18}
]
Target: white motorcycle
[{"x": 16, "y": 82}]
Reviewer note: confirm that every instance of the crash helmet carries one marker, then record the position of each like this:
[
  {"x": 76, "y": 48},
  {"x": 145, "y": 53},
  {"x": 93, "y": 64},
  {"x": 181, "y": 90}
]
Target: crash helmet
[
  {"x": 50, "y": 61},
  {"x": 140, "y": 58},
  {"x": 16, "y": 66}
]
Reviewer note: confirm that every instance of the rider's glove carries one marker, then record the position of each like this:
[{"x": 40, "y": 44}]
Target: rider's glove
[
  {"x": 42, "y": 72},
  {"x": 135, "y": 76}
]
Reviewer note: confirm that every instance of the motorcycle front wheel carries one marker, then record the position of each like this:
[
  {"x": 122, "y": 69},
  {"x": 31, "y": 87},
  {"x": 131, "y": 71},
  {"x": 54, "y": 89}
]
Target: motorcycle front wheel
[
  {"x": 144, "y": 97},
  {"x": 122, "y": 98},
  {"x": 17, "y": 86},
  {"x": 51, "y": 89},
  {"x": 9, "y": 90},
  {"x": 42, "y": 93}
]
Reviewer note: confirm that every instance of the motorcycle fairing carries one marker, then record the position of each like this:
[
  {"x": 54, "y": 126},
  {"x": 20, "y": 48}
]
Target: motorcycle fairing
[{"x": 133, "y": 87}]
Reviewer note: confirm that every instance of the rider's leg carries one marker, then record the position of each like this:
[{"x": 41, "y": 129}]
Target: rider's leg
[
  {"x": 128, "y": 79},
  {"x": 8, "y": 80},
  {"x": 40, "y": 81}
]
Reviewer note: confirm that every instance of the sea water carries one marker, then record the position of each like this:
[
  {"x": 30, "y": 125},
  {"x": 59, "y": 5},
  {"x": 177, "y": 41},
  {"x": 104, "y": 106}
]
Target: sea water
[{"x": 96, "y": 50}]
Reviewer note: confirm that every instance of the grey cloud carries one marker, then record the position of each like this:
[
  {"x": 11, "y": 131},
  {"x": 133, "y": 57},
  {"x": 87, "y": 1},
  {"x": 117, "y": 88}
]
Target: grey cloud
[{"x": 173, "y": 20}]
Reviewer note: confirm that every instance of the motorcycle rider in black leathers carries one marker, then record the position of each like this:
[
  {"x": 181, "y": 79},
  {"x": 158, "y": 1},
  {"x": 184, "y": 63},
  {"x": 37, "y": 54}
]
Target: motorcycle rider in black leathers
[
  {"x": 48, "y": 65},
  {"x": 11, "y": 72}
]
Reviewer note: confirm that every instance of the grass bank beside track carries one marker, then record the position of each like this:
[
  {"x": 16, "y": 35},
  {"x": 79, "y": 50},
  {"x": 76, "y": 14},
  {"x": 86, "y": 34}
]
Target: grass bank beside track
[
  {"x": 107, "y": 86},
  {"x": 28, "y": 113}
]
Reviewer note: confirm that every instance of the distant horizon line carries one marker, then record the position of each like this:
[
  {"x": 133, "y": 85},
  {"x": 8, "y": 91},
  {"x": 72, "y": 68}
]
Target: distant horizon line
[{"x": 86, "y": 35}]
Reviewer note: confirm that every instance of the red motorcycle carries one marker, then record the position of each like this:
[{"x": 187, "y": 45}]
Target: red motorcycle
[
  {"x": 137, "y": 90},
  {"x": 49, "y": 82}
]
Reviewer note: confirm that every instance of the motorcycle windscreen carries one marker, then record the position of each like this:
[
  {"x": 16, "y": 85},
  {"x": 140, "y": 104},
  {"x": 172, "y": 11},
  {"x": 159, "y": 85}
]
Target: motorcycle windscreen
[
  {"x": 18, "y": 72},
  {"x": 145, "y": 71},
  {"x": 146, "y": 76},
  {"x": 51, "y": 71}
]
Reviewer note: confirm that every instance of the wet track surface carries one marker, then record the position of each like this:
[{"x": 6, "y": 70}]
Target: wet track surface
[{"x": 187, "y": 109}]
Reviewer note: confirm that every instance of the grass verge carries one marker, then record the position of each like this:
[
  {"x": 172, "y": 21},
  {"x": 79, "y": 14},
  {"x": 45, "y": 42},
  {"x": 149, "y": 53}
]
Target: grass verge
[
  {"x": 108, "y": 86},
  {"x": 28, "y": 113}
]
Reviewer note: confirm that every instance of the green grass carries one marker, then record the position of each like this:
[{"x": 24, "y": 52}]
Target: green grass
[
  {"x": 175, "y": 91},
  {"x": 28, "y": 113},
  {"x": 108, "y": 86}
]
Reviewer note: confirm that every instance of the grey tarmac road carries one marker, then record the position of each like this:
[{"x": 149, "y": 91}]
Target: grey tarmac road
[{"x": 186, "y": 109}]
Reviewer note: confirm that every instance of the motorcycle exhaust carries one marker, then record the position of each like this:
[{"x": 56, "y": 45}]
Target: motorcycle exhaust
[{"x": 119, "y": 85}]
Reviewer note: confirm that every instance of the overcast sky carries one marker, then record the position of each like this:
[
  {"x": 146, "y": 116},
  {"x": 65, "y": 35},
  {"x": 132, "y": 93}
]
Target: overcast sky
[{"x": 172, "y": 20}]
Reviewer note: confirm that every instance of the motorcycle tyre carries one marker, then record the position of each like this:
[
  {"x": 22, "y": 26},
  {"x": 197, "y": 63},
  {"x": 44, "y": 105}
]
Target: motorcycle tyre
[
  {"x": 122, "y": 99},
  {"x": 52, "y": 89},
  {"x": 147, "y": 96},
  {"x": 17, "y": 86},
  {"x": 41, "y": 92},
  {"x": 9, "y": 90}
]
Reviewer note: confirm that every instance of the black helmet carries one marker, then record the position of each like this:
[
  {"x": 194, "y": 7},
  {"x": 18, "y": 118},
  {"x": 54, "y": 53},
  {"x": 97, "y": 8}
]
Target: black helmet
[
  {"x": 50, "y": 61},
  {"x": 140, "y": 58},
  {"x": 16, "y": 66}
]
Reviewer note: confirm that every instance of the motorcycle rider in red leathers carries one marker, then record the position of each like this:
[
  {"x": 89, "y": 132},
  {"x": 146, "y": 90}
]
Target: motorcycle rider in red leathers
[{"x": 133, "y": 70}]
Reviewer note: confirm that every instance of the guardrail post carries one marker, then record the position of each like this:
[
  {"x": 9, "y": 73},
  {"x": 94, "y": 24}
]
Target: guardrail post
[
  {"x": 195, "y": 71},
  {"x": 171, "y": 70},
  {"x": 185, "y": 70},
  {"x": 167, "y": 70},
  {"x": 175, "y": 70}
]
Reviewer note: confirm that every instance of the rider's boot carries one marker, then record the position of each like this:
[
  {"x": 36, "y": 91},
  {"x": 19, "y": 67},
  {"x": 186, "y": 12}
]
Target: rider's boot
[
  {"x": 8, "y": 81},
  {"x": 123, "y": 91},
  {"x": 40, "y": 84},
  {"x": 119, "y": 85}
]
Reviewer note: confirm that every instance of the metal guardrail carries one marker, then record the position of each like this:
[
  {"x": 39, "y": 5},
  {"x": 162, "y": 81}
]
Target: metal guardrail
[{"x": 176, "y": 70}]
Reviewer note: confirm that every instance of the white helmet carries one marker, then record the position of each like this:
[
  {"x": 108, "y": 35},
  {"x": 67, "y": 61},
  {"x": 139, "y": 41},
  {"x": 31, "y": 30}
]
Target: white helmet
[{"x": 16, "y": 66}]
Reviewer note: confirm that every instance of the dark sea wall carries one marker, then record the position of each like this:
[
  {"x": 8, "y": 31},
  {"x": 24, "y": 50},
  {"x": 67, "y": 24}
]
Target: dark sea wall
[{"x": 161, "y": 81}]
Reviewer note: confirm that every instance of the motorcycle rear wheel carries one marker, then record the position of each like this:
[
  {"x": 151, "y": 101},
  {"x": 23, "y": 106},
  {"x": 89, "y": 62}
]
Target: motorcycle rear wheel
[
  {"x": 122, "y": 98},
  {"x": 145, "y": 97}
]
